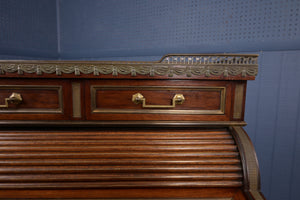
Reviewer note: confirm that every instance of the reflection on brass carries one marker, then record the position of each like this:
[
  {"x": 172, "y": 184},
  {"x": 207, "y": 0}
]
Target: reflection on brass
[
  {"x": 203, "y": 65},
  {"x": 238, "y": 101},
  {"x": 14, "y": 98},
  {"x": 138, "y": 98},
  {"x": 57, "y": 88},
  {"x": 76, "y": 94},
  {"x": 220, "y": 111}
]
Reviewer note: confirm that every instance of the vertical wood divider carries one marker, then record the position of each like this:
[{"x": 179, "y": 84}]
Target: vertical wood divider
[{"x": 76, "y": 96}]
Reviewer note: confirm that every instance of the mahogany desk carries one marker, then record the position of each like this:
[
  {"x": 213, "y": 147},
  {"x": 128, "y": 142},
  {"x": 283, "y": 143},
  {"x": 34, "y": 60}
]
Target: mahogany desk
[{"x": 170, "y": 129}]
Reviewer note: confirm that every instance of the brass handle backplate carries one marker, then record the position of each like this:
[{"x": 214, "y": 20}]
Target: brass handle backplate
[
  {"x": 14, "y": 98},
  {"x": 138, "y": 98}
]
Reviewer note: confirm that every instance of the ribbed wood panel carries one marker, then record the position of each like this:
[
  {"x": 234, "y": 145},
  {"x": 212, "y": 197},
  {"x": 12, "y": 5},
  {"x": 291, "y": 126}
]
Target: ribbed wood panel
[{"x": 113, "y": 159}]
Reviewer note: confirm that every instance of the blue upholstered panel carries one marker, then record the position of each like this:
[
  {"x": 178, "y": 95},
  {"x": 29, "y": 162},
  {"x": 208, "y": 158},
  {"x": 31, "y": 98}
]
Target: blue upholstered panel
[
  {"x": 28, "y": 28},
  {"x": 273, "y": 115},
  {"x": 101, "y": 28}
]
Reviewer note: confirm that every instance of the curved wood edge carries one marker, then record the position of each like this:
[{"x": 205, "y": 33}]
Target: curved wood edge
[{"x": 249, "y": 162}]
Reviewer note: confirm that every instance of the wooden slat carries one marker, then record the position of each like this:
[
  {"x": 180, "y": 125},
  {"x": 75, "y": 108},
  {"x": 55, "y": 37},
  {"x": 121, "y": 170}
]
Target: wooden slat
[
  {"x": 112, "y": 169},
  {"x": 119, "y": 177},
  {"x": 122, "y": 155},
  {"x": 120, "y": 137},
  {"x": 120, "y": 161},
  {"x": 110, "y": 159},
  {"x": 123, "y": 184},
  {"x": 177, "y": 148}
]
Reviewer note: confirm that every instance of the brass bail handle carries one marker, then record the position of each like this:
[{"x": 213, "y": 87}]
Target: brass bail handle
[
  {"x": 138, "y": 98},
  {"x": 14, "y": 98}
]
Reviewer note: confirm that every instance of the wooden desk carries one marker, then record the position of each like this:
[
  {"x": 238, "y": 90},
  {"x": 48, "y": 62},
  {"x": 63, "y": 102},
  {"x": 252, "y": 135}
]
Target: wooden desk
[{"x": 127, "y": 130}]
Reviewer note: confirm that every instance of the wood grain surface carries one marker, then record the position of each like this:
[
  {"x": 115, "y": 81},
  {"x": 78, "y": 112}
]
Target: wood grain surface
[{"x": 119, "y": 159}]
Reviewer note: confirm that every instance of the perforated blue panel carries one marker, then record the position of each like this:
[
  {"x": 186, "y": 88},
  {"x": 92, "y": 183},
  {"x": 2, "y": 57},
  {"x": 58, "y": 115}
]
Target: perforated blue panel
[
  {"x": 273, "y": 117},
  {"x": 28, "y": 28},
  {"x": 138, "y": 27}
]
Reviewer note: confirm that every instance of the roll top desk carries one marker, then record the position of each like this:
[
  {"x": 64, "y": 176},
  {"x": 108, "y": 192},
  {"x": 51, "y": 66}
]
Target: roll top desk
[{"x": 170, "y": 129}]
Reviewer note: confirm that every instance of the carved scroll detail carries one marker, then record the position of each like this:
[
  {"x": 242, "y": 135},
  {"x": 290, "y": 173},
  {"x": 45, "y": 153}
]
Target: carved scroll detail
[
  {"x": 115, "y": 70},
  {"x": 189, "y": 65}
]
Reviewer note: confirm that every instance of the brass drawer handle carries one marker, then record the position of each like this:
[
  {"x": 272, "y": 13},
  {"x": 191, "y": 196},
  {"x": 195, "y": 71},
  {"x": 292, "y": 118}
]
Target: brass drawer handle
[
  {"x": 14, "y": 98},
  {"x": 139, "y": 98}
]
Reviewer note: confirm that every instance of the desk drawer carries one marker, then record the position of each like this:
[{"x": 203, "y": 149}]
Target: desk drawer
[
  {"x": 147, "y": 100},
  {"x": 32, "y": 100}
]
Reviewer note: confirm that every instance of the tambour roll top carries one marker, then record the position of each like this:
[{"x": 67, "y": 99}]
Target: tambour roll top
[{"x": 120, "y": 159}]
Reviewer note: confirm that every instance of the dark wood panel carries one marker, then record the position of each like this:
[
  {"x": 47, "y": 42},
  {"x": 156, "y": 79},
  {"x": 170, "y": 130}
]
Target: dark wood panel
[
  {"x": 41, "y": 99},
  {"x": 195, "y": 98},
  {"x": 112, "y": 100},
  {"x": 37, "y": 97}
]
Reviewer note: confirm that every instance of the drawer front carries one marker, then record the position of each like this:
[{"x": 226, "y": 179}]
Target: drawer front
[
  {"x": 38, "y": 100},
  {"x": 146, "y": 100}
]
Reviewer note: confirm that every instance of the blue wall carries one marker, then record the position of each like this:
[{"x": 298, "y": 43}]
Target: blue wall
[
  {"x": 273, "y": 115},
  {"x": 147, "y": 29},
  {"x": 93, "y": 29},
  {"x": 28, "y": 28},
  {"x": 154, "y": 27}
]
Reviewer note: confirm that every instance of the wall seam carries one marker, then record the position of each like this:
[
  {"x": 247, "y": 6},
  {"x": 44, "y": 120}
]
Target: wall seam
[
  {"x": 258, "y": 97},
  {"x": 294, "y": 147},
  {"x": 58, "y": 30},
  {"x": 276, "y": 125}
]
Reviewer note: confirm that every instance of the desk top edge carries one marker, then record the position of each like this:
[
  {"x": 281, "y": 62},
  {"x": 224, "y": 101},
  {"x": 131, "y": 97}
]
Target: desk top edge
[{"x": 186, "y": 66}]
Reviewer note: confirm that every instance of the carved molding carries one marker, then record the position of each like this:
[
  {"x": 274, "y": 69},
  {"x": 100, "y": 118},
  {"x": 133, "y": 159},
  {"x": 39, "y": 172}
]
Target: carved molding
[{"x": 189, "y": 65}]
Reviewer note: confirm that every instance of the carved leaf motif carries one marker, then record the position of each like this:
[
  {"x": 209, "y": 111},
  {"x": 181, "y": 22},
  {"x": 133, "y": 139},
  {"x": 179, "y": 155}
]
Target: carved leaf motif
[
  {"x": 86, "y": 69},
  {"x": 217, "y": 71},
  {"x": 198, "y": 71},
  {"x": 234, "y": 71},
  {"x": 68, "y": 69},
  {"x": 10, "y": 68},
  {"x": 252, "y": 71},
  {"x": 48, "y": 69},
  {"x": 143, "y": 70},
  {"x": 29, "y": 68},
  {"x": 124, "y": 69},
  {"x": 161, "y": 70},
  {"x": 106, "y": 69},
  {"x": 179, "y": 71}
]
